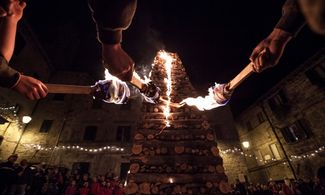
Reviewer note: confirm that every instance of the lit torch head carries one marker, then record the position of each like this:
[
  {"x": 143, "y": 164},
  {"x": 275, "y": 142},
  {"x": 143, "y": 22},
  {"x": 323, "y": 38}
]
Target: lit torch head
[
  {"x": 111, "y": 90},
  {"x": 222, "y": 93},
  {"x": 219, "y": 95},
  {"x": 150, "y": 92}
]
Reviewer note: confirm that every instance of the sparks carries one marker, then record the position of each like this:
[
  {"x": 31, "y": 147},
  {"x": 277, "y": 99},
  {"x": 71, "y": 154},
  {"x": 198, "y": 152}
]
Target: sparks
[
  {"x": 205, "y": 103},
  {"x": 168, "y": 59}
]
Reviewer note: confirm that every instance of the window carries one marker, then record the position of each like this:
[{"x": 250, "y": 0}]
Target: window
[
  {"x": 46, "y": 126},
  {"x": 123, "y": 133},
  {"x": 124, "y": 168},
  {"x": 249, "y": 126},
  {"x": 260, "y": 117},
  {"x": 295, "y": 132},
  {"x": 58, "y": 97},
  {"x": 90, "y": 133},
  {"x": 279, "y": 100},
  {"x": 316, "y": 75},
  {"x": 97, "y": 103},
  {"x": 275, "y": 151},
  {"x": 259, "y": 157}
]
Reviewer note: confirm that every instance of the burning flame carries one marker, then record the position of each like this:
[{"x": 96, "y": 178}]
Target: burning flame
[
  {"x": 205, "y": 103},
  {"x": 168, "y": 66},
  {"x": 115, "y": 88}
]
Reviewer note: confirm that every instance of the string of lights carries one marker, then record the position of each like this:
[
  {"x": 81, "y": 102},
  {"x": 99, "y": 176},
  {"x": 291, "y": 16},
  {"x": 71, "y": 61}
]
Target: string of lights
[
  {"x": 304, "y": 156},
  {"x": 234, "y": 150},
  {"x": 76, "y": 148},
  {"x": 9, "y": 112}
]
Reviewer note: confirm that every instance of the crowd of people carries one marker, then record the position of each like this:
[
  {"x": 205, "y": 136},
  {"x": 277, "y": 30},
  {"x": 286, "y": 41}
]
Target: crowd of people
[
  {"x": 43, "y": 179},
  {"x": 285, "y": 187}
]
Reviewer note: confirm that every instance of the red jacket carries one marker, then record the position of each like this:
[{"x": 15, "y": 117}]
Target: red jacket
[
  {"x": 71, "y": 190},
  {"x": 94, "y": 188},
  {"x": 84, "y": 191},
  {"x": 103, "y": 190},
  {"x": 118, "y": 191}
]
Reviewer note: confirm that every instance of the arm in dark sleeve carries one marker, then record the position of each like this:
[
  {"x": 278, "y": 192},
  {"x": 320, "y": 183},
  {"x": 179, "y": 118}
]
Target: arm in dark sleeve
[
  {"x": 8, "y": 76},
  {"x": 111, "y": 18},
  {"x": 292, "y": 19}
]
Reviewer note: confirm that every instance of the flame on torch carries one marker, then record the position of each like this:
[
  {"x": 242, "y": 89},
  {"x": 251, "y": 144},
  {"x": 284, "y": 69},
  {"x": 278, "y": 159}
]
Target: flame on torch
[
  {"x": 208, "y": 102},
  {"x": 168, "y": 67},
  {"x": 118, "y": 90}
]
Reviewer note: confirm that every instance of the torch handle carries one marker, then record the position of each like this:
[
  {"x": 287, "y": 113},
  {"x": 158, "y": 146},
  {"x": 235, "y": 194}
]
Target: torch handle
[
  {"x": 248, "y": 70},
  {"x": 69, "y": 89},
  {"x": 136, "y": 81}
]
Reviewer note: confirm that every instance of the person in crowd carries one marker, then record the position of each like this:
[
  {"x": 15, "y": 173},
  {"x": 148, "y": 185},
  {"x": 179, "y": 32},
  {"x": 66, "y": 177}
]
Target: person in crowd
[
  {"x": 240, "y": 187},
  {"x": 23, "y": 176},
  {"x": 71, "y": 189},
  {"x": 94, "y": 186},
  {"x": 320, "y": 183},
  {"x": 84, "y": 190},
  {"x": 7, "y": 174}
]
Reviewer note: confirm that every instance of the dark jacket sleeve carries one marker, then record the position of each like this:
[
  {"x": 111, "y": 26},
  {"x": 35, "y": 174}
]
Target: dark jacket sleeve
[
  {"x": 292, "y": 19},
  {"x": 111, "y": 18},
  {"x": 8, "y": 76}
]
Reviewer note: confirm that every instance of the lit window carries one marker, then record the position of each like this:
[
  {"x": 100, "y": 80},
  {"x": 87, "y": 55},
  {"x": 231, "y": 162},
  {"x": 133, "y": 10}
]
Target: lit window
[
  {"x": 294, "y": 132},
  {"x": 275, "y": 151}
]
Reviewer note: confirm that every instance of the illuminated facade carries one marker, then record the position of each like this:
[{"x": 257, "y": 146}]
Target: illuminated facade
[{"x": 285, "y": 126}]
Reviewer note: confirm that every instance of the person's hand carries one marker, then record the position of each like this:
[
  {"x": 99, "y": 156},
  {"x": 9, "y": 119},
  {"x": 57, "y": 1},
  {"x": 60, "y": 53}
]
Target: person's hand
[
  {"x": 31, "y": 88},
  {"x": 117, "y": 61},
  {"x": 269, "y": 51},
  {"x": 14, "y": 9}
]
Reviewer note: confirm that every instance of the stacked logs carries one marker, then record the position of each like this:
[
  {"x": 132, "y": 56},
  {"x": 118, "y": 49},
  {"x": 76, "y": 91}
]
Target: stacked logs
[{"x": 181, "y": 159}]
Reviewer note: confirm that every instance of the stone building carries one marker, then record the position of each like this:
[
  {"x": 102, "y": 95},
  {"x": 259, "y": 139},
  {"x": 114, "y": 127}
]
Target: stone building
[
  {"x": 77, "y": 132},
  {"x": 284, "y": 128},
  {"x": 61, "y": 120},
  {"x": 222, "y": 122},
  {"x": 99, "y": 134},
  {"x": 29, "y": 59}
]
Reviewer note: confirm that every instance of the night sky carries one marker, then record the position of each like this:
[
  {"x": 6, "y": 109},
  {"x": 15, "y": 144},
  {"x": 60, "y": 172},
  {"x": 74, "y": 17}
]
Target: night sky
[{"x": 213, "y": 38}]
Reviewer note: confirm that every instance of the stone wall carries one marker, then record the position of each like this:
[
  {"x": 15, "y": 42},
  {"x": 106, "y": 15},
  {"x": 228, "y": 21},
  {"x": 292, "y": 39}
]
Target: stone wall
[{"x": 297, "y": 102}]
